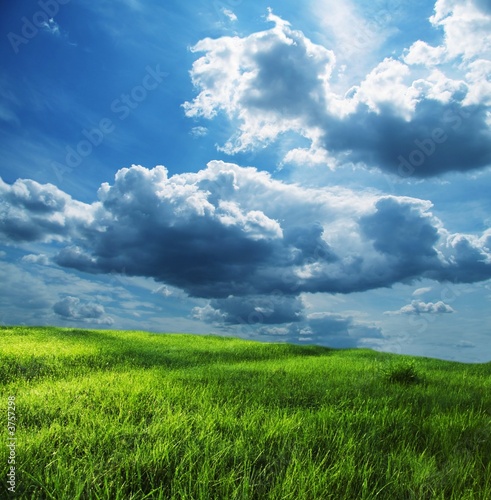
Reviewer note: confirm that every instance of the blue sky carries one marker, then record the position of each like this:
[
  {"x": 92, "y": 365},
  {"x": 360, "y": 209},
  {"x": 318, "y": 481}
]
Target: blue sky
[{"x": 316, "y": 175}]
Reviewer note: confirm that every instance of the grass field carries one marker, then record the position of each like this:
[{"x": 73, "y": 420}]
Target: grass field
[{"x": 132, "y": 415}]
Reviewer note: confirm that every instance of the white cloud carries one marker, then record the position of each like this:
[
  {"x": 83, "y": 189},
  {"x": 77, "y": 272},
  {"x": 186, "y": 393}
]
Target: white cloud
[
  {"x": 422, "y": 53},
  {"x": 52, "y": 27},
  {"x": 421, "y": 291},
  {"x": 467, "y": 27},
  {"x": 355, "y": 32},
  {"x": 244, "y": 76},
  {"x": 278, "y": 81},
  {"x": 420, "y": 307},
  {"x": 36, "y": 259},
  {"x": 384, "y": 87},
  {"x": 163, "y": 290},
  {"x": 308, "y": 157},
  {"x": 479, "y": 77},
  {"x": 229, "y": 14},
  {"x": 199, "y": 131}
]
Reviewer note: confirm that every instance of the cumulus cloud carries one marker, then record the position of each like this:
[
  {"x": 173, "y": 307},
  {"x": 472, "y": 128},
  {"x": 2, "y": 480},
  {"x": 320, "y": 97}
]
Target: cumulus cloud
[
  {"x": 249, "y": 244},
  {"x": 39, "y": 212},
  {"x": 422, "y": 53},
  {"x": 228, "y": 232},
  {"x": 73, "y": 309},
  {"x": 266, "y": 75},
  {"x": 397, "y": 119},
  {"x": 467, "y": 27},
  {"x": 420, "y": 307}
]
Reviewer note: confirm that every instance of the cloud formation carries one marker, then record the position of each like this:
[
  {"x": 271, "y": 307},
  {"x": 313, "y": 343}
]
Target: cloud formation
[
  {"x": 73, "y": 309},
  {"x": 409, "y": 117},
  {"x": 419, "y": 307},
  {"x": 39, "y": 212},
  {"x": 248, "y": 244},
  {"x": 253, "y": 310},
  {"x": 227, "y": 232}
]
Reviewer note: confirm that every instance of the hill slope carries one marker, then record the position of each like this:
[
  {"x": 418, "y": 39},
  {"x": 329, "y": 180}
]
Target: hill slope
[{"x": 132, "y": 415}]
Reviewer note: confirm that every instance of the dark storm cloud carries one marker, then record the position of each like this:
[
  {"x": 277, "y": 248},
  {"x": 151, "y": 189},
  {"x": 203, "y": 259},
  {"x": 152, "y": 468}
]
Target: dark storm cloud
[
  {"x": 439, "y": 138},
  {"x": 252, "y": 244},
  {"x": 309, "y": 244},
  {"x": 470, "y": 260},
  {"x": 405, "y": 235}
]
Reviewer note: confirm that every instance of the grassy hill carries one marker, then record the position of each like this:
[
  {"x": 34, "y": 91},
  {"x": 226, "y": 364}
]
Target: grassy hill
[{"x": 133, "y": 415}]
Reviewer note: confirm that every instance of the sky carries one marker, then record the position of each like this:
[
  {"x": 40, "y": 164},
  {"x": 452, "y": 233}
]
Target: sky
[{"x": 317, "y": 175}]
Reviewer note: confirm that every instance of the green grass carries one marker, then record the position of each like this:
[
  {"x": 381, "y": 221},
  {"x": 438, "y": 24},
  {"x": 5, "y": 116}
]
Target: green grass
[{"x": 131, "y": 415}]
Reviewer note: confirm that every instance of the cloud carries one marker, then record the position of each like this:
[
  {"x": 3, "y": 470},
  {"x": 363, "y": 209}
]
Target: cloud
[
  {"x": 268, "y": 75},
  {"x": 467, "y": 27},
  {"x": 228, "y": 232},
  {"x": 40, "y": 259},
  {"x": 398, "y": 119},
  {"x": 422, "y": 53},
  {"x": 73, "y": 309},
  {"x": 199, "y": 131},
  {"x": 257, "y": 309},
  {"x": 356, "y": 31},
  {"x": 332, "y": 330},
  {"x": 465, "y": 344},
  {"x": 39, "y": 212},
  {"x": 23, "y": 298},
  {"x": 229, "y": 14},
  {"x": 51, "y": 27},
  {"x": 421, "y": 291},
  {"x": 163, "y": 290},
  {"x": 248, "y": 244},
  {"x": 468, "y": 258},
  {"x": 419, "y": 307}
]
